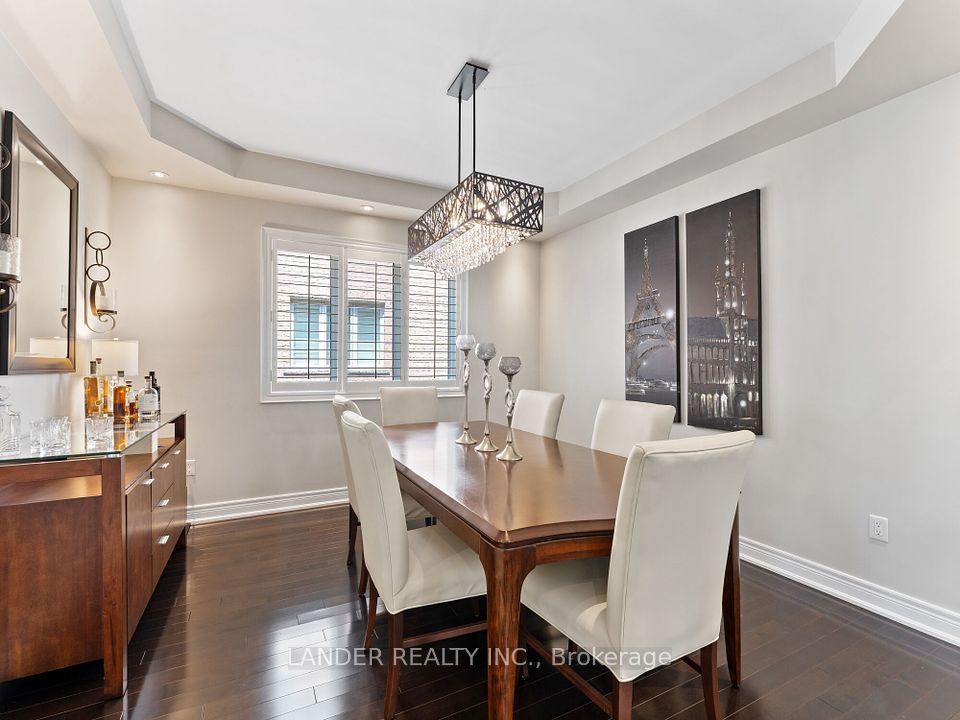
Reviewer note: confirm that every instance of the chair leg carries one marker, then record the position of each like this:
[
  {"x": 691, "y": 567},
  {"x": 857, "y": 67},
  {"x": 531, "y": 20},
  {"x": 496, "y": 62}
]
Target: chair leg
[
  {"x": 371, "y": 617},
  {"x": 394, "y": 643},
  {"x": 708, "y": 676},
  {"x": 364, "y": 578},
  {"x": 622, "y": 700},
  {"x": 354, "y": 524}
]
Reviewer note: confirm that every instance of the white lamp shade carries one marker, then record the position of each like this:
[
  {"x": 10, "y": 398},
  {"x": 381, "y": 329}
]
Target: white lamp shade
[{"x": 117, "y": 355}]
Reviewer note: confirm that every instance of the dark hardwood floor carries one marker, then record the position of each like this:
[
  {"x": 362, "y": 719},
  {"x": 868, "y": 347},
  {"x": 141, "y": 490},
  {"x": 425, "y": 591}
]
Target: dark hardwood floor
[{"x": 216, "y": 642}]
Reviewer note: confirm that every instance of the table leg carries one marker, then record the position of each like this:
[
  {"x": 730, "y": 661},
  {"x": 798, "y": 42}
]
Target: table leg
[
  {"x": 505, "y": 571},
  {"x": 731, "y": 604}
]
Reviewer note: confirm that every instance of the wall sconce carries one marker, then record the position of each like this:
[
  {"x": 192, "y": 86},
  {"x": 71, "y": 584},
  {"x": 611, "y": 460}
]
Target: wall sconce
[
  {"x": 9, "y": 248},
  {"x": 101, "y": 301}
]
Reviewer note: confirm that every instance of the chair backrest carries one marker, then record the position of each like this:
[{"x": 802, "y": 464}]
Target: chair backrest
[
  {"x": 406, "y": 405},
  {"x": 538, "y": 412},
  {"x": 621, "y": 424},
  {"x": 379, "y": 505},
  {"x": 670, "y": 541},
  {"x": 340, "y": 406}
]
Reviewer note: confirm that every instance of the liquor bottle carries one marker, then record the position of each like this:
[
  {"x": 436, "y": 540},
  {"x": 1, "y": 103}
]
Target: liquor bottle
[
  {"x": 119, "y": 399},
  {"x": 149, "y": 400},
  {"x": 92, "y": 400},
  {"x": 156, "y": 386},
  {"x": 132, "y": 405},
  {"x": 106, "y": 396}
]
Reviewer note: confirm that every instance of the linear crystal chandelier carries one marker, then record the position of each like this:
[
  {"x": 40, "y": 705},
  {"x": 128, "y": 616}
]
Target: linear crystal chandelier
[{"x": 482, "y": 216}]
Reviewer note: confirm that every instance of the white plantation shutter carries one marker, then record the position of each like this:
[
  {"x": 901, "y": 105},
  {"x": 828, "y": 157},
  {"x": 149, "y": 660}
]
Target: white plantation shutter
[
  {"x": 374, "y": 320},
  {"x": 306, "y": 315},
  {"x": 349, "y": 316},
  {"x": 432, "y": 331}
]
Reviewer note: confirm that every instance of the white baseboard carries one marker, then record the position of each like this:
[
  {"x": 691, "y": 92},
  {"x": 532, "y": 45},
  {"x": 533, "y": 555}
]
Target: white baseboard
[
  {"x": 929, "y": 619},
  {"x": 249, "y": 507}
]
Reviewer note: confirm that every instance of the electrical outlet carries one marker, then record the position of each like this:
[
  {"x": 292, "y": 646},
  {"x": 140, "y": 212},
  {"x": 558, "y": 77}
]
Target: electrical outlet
[
  {"x": 191, "y": 467},
  {"x": 879, "y": 528}
]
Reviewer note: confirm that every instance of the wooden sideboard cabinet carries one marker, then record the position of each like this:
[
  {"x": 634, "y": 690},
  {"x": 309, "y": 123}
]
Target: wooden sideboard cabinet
[{"x": 84, "y": 537}]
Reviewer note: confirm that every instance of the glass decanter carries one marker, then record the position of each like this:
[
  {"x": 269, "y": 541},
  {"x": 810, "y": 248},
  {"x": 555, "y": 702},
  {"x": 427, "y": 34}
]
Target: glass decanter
[{"x": 9, "y": 425}]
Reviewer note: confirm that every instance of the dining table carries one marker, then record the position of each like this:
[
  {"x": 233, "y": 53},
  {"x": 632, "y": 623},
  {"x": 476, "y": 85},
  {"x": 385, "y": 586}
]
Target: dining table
[{"x": 558, "y": 503}]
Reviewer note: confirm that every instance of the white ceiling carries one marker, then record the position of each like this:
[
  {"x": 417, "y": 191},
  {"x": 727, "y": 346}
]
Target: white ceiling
[{"x": 360, "y": 85}]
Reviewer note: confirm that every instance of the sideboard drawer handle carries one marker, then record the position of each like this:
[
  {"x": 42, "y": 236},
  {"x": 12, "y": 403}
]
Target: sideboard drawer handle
[
  {"x": 177, "y": 452},
  {"x": 163, "y": 540},
  {"x": 149, "y": 481},
  {"x": 164, "y": 502},
  {"x": 165, "y": 466}
]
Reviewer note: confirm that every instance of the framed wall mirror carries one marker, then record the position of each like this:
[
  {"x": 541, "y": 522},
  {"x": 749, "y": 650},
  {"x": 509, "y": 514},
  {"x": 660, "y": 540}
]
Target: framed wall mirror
[{"x": 38, "y": 319}]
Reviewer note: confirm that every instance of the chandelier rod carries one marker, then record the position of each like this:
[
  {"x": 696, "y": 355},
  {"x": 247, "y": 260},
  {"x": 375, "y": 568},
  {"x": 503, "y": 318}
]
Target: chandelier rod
[
  {"x": 474, "y": 119},
  {"x": 459, "y": 134}
]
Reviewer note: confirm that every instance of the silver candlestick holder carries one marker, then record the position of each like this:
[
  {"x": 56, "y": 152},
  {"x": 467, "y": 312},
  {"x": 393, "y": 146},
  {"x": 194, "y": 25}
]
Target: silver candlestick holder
[
  {"x": 486, "y": 352},
  {"x": 509, "y": 366},
  {"x": 466, "y": 343}
]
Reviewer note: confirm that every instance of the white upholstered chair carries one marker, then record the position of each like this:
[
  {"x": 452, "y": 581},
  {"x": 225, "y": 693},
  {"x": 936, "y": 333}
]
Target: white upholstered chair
[
  {"x": 661, "y": 590},
  {"x": 538, "y": 412},
  {"x": 406, "y": 405},
  {"x": 340, "y": 406},
  {"x": 621, "y": 424},
  {"x": 408, "y": 569},
  {"x": 411, "y": 508}
]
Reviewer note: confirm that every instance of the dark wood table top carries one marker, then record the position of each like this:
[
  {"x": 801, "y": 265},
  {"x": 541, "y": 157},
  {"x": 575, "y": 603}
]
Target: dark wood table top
[{"x": 558, "y": 490}]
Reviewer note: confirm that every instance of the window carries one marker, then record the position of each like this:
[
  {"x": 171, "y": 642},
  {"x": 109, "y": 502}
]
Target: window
[
  {"x": 306, "y": 290},
  {"x": 348, "y": 316},
  {"x": 311, "y": 345}
]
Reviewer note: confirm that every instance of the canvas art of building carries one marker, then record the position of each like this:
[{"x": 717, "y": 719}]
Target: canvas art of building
[{"x": 723, "y": 324}]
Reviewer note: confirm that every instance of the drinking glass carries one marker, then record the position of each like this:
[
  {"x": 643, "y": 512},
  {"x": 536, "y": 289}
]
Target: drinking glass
[{"x": 99, "y": 431}]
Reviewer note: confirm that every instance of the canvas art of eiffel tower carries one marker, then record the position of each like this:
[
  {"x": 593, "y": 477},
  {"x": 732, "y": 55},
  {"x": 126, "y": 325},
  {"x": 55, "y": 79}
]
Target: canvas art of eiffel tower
[{"x": 652, "y": 301}]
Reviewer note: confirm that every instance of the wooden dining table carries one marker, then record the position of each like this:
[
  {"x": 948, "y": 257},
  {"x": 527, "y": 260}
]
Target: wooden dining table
[{"x": 558, "y": 503}]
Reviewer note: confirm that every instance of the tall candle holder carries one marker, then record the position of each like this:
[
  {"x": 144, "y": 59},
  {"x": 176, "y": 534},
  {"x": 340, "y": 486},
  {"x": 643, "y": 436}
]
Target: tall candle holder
[
  {"x": 509, "y": 366},
  {"x": 486, "y": 352},
  {"x": 466, "y": 343}
]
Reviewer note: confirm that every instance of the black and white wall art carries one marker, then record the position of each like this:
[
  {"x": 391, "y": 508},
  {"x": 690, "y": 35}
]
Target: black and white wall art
[
  {"x": 723, "y": 315},
  {"x": 652, "y": 305}
]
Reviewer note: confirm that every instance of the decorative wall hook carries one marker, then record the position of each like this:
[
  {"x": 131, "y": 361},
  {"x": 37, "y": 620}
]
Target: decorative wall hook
[{"x": 101, "y": 301}]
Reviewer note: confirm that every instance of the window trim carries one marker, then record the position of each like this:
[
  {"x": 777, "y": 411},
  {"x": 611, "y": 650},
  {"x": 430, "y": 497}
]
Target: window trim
[{"x": 344, "y": 248}]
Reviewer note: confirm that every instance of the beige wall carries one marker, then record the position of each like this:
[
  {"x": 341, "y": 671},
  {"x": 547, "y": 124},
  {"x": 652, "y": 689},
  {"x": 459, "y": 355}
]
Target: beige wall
[
  {"x": 187, "y": 266},
  {"x": 860, "y": 349},
  {"x": 58, "y": 393}
]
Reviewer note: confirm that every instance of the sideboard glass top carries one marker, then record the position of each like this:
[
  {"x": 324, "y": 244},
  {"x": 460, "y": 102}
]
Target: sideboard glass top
[{"x": 135, "y": 439}]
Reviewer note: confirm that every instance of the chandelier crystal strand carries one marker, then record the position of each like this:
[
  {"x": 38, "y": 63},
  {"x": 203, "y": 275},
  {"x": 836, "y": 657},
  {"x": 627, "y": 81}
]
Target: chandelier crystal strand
[{"x": 475, "y": 222}]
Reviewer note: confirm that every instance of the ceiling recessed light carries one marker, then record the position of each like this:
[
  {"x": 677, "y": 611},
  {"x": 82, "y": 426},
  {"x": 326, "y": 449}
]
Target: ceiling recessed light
[
  {"x": 367, "y": 208},
  {"x": 159, "y": 174}
]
